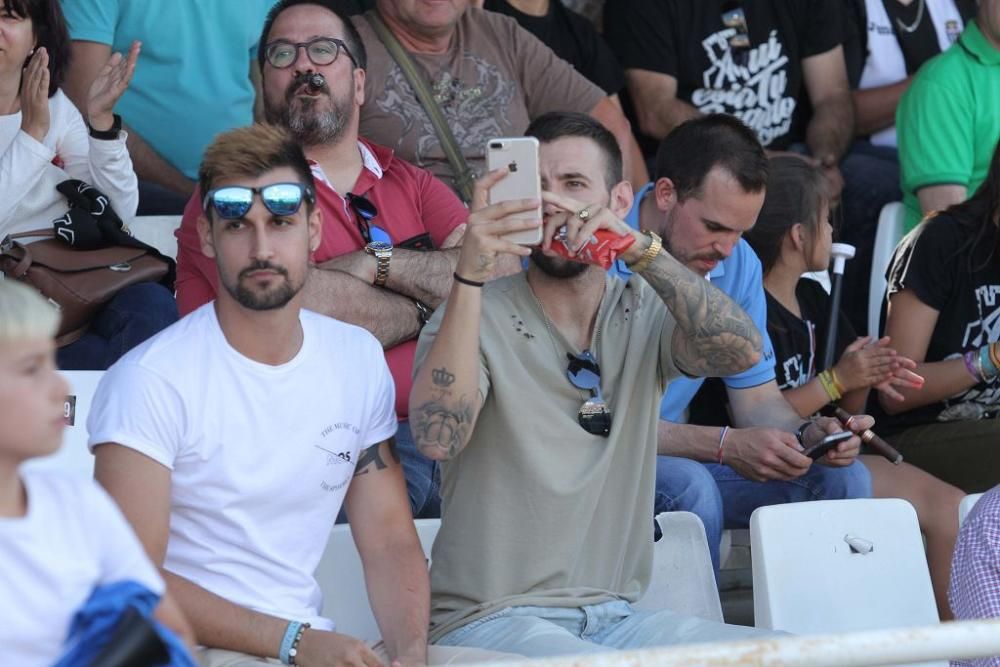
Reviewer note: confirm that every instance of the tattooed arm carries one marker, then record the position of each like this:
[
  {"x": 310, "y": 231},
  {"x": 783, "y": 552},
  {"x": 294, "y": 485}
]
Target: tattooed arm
[
  {"x": 445, "y": 400},
  {"x": 714, "y": 336},
  {"x": 395, "y": 568}
]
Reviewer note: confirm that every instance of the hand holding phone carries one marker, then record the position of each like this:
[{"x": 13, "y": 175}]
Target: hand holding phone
[
  {"x": 826, "y": 444},
  {"x": 519, "y": 155}
]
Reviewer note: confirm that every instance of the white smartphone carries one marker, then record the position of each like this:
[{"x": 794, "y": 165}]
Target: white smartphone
[{"x": 520, "y": 156}]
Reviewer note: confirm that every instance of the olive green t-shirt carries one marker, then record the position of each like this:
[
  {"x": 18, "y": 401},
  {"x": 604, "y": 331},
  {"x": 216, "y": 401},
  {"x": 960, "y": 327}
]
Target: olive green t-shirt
[{"x": 536, "y": 511}]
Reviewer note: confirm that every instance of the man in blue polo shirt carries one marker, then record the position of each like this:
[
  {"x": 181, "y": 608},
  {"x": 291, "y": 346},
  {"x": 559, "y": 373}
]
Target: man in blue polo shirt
[{"x": 711, "y": 175}]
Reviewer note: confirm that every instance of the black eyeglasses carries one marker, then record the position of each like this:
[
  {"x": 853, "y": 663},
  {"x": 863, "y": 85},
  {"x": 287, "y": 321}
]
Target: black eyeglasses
[
  {"x": 234, "y": 201},
  {"x": 734, "y": 17},
  {"x": 321, "y": 51},
  {"x": 364, "y": 213},
  {"x": 584, "y": 373}
]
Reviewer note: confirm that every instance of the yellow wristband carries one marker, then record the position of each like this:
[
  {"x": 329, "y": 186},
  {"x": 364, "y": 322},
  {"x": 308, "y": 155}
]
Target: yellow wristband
[
  {"x": 649, "y": 255},
  {"x": 826, "y": 381},
  {"x": 837, "y": 383}
]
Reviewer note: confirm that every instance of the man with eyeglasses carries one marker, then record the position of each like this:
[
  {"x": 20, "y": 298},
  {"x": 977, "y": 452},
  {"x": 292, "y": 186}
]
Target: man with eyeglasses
[
  {"x": 540, "y": 393},
  {"x": 387, "y": 253},
  {"x": 232, "y": 439}
]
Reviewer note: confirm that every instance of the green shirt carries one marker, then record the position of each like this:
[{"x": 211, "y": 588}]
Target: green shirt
[
  {"x": 949, "y": 120},
  {"x": 536, "y": 511}
]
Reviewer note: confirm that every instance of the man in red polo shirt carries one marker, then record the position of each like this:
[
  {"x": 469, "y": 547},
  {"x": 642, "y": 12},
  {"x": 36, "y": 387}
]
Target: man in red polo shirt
[{"x": 389, "y": 228}]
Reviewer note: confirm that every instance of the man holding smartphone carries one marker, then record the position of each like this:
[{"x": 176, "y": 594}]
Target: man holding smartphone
[{"x": 540, "y": 395}]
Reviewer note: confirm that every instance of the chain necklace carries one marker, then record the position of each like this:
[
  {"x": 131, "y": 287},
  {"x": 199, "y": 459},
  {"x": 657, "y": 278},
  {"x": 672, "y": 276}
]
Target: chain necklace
[{"x": 908, "y": 29}]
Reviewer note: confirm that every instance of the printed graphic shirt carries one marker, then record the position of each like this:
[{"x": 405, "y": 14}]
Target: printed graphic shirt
[
  {"x": 493, "y": 80},
  {"x": 761, "y": 85},
  {"x": 933, "y": 261}
]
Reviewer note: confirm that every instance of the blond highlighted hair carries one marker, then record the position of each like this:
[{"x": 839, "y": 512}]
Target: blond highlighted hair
[
  {"x": 24, "y": 313},
  {"x": 249, "y": 152}
]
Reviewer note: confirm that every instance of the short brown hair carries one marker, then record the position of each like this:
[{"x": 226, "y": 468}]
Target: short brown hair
[{"x": 252, "y": 151}]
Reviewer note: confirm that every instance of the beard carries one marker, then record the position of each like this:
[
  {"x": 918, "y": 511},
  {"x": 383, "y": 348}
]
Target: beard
[
  {"x": 308, "y": 123},
  {"x": 271, "y": 299},
  {"x": 686, "y": 259},
  {"x": 557, "y": 267}
]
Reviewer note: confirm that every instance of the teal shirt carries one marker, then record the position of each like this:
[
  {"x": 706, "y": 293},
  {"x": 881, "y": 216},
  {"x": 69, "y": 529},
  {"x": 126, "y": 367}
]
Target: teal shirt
[
  {"x": 948, "y": 122},
  {"x": 192, "y": 80}
]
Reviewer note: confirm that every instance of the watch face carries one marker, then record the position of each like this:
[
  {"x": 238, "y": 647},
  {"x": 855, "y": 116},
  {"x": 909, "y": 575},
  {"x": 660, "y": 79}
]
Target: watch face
[{"x": 379, "y": 245}]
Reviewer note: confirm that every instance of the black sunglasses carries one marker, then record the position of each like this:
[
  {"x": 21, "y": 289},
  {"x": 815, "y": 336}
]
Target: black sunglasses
[
  {"x": 281, "y": 53},
  {"x": 584, "y": 373},
  {"x": 234, "y": 201},
  {"x": 364, "y": 213}
]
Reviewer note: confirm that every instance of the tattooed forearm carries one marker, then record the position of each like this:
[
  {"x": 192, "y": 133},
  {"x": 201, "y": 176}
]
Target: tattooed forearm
[
  {"x": 441, "y": 428},
  {"x": 714, "y": 336},
  {"x": 373, "y": 458}
]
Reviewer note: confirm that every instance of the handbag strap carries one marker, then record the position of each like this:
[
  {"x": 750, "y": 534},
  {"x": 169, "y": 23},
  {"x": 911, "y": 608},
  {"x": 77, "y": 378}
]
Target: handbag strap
[{"x": 464, "y": 178}]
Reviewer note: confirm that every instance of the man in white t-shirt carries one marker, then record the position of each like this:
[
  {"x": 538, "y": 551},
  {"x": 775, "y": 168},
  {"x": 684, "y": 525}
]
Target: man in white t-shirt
[{"x": 231, "y": 439}]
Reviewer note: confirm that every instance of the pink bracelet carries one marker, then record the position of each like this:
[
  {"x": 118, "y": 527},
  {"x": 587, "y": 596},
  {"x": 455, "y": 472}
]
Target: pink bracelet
[
  {"x": 722, "y": 441},
  {"x": 971, "y": 357}
]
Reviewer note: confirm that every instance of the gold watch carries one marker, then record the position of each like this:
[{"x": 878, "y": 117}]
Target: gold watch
[
  {"x": 382, "y": 252},
  {"x": 652, "y": 250}
]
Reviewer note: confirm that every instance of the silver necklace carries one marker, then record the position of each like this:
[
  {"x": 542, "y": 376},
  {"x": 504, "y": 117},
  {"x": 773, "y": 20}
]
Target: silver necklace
[{"x": 916, "y": 22}]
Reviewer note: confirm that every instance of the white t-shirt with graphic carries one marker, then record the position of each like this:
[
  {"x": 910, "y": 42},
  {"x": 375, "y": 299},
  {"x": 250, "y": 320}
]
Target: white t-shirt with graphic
[
  {"x": 885, "y": 65},
  {"x": 72, "y": 539},
  {"x": 261, "y": 456}
]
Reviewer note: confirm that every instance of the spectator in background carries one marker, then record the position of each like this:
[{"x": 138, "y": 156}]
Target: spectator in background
[
  {"x": 711, "y": 179},
  {"x": 61, "y": 537},
  {"x": 45, "y": 141},
  {"x": 975, "y": 570},
  {"x": 489, "y": 76},
  {"x": 569, "y": 35},
  {"x": 372, "y": 202},
  {"x": 944, "y": 314},
  {"x": 793, "y": 235},
  {"x": 195, "y": 80},
  {"x": 949, "y": 119}
]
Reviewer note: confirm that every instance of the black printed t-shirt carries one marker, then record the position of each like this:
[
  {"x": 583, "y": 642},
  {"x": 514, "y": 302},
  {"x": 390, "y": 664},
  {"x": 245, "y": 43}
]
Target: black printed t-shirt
[
  {"x": 798, "y": 349},
  {"x": 573, "y": 38},
  {"x": 933, "y": 261},
  {"x": 687, "y": 40}
]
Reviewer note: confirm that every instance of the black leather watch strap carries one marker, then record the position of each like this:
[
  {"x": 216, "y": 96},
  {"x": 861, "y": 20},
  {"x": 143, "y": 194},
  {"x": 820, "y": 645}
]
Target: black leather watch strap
[
  {"x": 107, "y": 135},
  {"x": 800, "y": 432}
]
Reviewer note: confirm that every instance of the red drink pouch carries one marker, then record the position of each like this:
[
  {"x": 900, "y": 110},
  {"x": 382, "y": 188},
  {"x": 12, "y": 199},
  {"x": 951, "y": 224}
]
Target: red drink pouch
[{"x": 603, "y": 248}]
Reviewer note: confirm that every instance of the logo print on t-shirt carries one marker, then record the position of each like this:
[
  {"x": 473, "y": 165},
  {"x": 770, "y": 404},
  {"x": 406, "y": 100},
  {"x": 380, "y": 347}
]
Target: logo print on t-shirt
[
  {"x": 986, "y": 329},
  {"x": 792, "y": 373},
  {"x": 754, "y": 92}
]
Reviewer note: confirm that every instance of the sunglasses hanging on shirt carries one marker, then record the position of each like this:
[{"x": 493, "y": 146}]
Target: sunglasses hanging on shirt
[
  {"x": 364, "y": 213},
  {"x": 735, "y": 18},
  {"x": 584, "y": 373}
]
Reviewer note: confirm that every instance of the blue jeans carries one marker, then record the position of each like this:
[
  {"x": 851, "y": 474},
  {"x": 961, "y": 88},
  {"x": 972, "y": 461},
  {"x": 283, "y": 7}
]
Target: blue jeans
[
  {"x": 600, "y": 628},
  {"x": 423, "y": 481},
  {"x": 722, "y": 498},
  {"x": 133, "y": 315}
]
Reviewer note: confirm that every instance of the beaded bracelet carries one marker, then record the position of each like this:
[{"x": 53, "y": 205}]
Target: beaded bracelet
[
  {"x": 722, "y": 441},
  {"x": 293, "y": 652},
  {"x": 987, "y": 367},
  {"x": 290, "y": 642}
]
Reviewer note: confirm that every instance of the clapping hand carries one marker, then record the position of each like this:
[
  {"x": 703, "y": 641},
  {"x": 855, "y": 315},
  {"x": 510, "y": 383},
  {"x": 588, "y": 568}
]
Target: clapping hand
[
  {"x": 109, "y": 86},
  {"x": 35, "y": 95},
  {"x": 865, "y": 364}
]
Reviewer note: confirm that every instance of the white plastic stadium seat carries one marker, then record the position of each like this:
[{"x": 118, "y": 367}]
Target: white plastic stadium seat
[
  {"x": 73, "y": 456},
  {"x": 837, "y": 566},
  {"x": 888, "y": 234},
  {"x": 966, "y": 506},
  {"x": 342, "y": 580},
  {"x": 157, "y": 231},
  {"x": 682, "y": 579}
]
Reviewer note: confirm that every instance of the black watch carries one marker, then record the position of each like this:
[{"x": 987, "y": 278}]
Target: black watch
[
  {"x": 423, "y": 312},
  {"x": 800, "y": 432},
  {"x": 107, "y": 135}
]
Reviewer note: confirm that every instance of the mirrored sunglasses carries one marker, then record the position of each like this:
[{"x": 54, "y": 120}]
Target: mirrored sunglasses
[
  {"x": 234, "y": 201},
  {"x": 584, "y": 373},
  {"x": 364, "y": 213},
  {"x": 281, "y": 53}
]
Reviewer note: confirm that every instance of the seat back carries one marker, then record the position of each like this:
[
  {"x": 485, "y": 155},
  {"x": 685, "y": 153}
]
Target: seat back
[
  {"x": 808, "y": 579},
  {"x": 157, "y": 231},
  {"x": 966, "y": 506},
  {"x": 341, "y": 578},
  {"x": 73, "y": 456},
  {"x": 683, "y": 580},
  {"x": 888, "y": 234}
]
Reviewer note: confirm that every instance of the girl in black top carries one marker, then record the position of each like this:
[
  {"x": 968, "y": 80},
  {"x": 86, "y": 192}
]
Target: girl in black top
[
  {"x": 944, "y": 312},
  {"x": 793, "y": 236}
]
